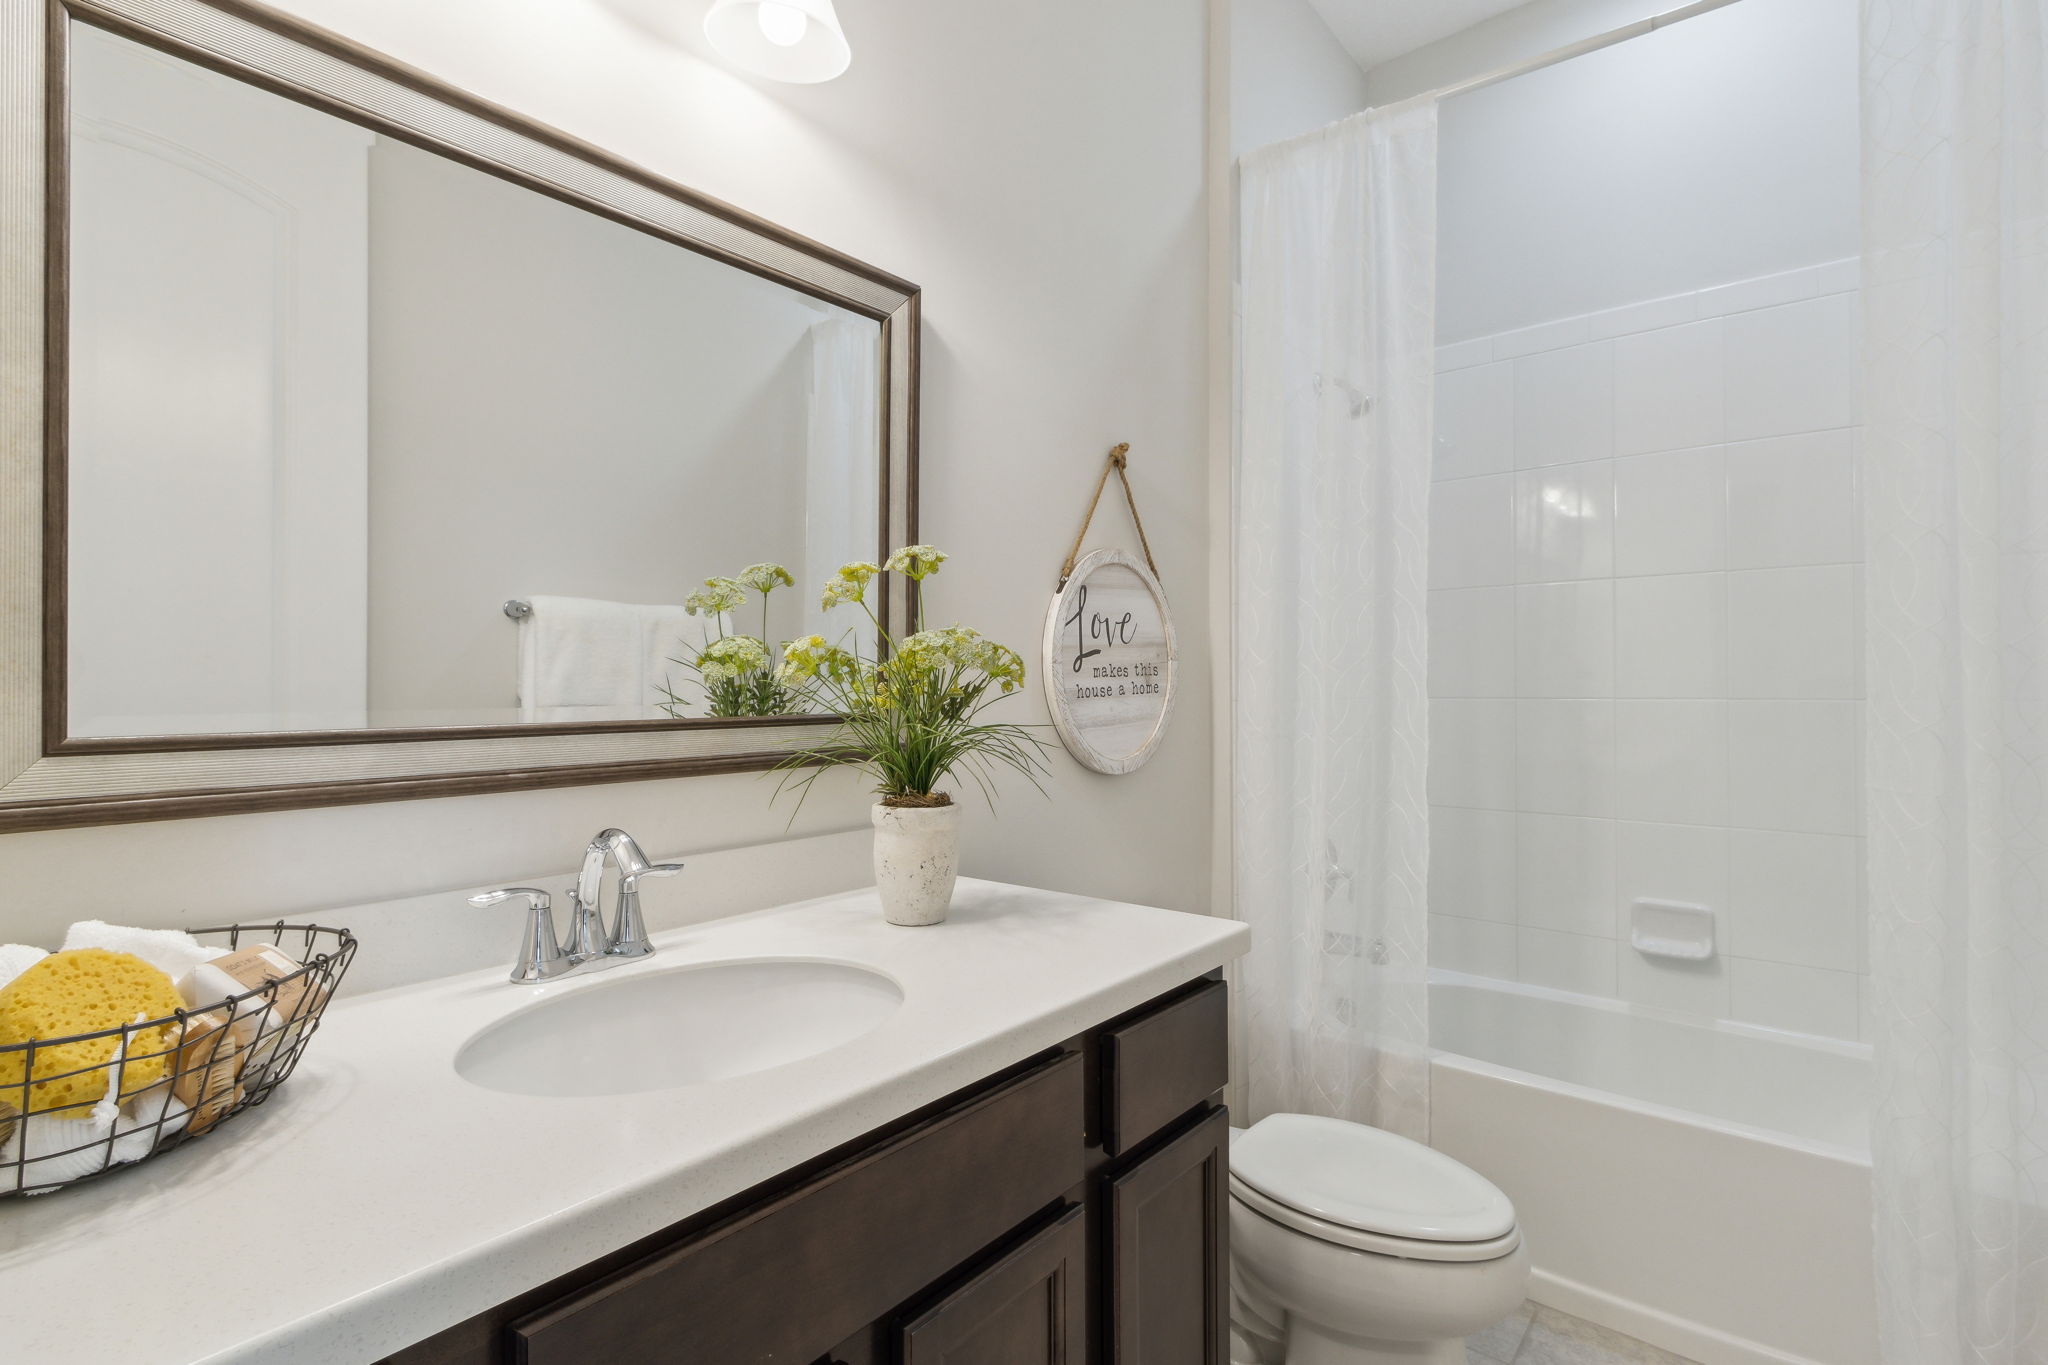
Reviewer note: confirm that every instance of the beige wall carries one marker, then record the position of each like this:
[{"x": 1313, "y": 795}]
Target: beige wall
[{"x": 1046, "y": 187}]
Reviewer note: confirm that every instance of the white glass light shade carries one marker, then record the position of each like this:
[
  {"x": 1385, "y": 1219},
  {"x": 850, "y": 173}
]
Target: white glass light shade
[{"x": 798, "y": 41}]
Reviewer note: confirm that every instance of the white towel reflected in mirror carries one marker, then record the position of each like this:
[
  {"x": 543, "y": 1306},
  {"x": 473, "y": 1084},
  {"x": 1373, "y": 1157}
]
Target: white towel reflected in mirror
[{"x": 584, "y": 659}]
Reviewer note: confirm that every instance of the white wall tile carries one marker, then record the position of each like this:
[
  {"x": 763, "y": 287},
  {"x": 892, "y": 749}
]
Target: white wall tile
[
  {"x": 1473, "y": 946},
  {"x": 1764, "y": 291},
  {"x": 1475, "y": 421},
  {"x": 1791, "y": 501},
  {"x": 1472, "y": 753},
  {"x": 1564, "y": 522},
  {"x": 1793, "y": 898},
  {"x": 1646, "y": 316},
  {"x": 1472, "y": 532},
  {"x": 1671, "y": 512},
  {"x": 1671, "y": 761},
  {"x": 1457, "y": 355},
  {"x": 1671, "y": 636},
  {"x": 1565, "y": 962},
  {"x": 1472, "y": 642},
  {"x": 1839, "y": 277},
  {"x": 1802, "y": 999},
  {"x": 1564, "y": 639},
  {"x": 1794, "y": 633},
  {"x": 1683, "y": 863},
  {"x": 1564, "y": 405},
  {"x": 1795, "y": 765},
  {"x": 1545, "y": 336},
  {"x": 1564, "y": 757},
  {"x": 1472, "y": 863},
  {"x": 1565, "y": 874},
  {"x": 1668, "y": 389},
  {"x": 1681, "y": 646},
  {"x": 1695, "y": 988},
  {"x": 1793, "y": 368}
]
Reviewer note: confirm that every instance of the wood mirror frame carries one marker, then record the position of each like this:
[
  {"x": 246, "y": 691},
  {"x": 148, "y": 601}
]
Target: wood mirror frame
[{"x": 49, "y": 779}]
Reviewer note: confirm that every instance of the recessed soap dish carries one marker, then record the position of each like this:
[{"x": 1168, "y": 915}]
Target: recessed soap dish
[{"x": 1671, "y": 929}]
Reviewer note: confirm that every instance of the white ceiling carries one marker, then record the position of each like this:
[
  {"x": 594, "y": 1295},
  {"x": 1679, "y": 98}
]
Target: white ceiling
[{"x": 1374, "y": 31}]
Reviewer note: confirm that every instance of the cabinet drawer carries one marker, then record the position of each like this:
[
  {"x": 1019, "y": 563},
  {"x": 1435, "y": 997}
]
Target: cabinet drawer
[
  {"x": 1030, "y": 1307},
  {"x": 1162, "y": 1064},
  {"x": 843, "y": 1249}
]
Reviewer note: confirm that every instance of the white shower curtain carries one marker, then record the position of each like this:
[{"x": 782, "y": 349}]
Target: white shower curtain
[
  {"x": 1956, "y": 346},
  {"x": 1338, "y": 278}
]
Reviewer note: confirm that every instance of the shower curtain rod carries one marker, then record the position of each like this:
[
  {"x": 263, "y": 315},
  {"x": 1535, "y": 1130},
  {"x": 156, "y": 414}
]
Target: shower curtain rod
[{"x": 1580, "y": 48}]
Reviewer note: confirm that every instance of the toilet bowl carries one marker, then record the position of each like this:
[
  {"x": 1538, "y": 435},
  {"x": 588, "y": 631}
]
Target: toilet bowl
[{"x": 1352, "y": 1246}]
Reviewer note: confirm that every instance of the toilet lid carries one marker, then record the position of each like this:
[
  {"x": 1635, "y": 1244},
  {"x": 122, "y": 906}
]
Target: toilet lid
[{"x": 1369, "y": 1179}]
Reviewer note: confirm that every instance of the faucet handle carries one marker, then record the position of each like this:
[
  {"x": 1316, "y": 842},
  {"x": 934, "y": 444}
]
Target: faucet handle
[
  {"x": 631, "y": 880},
  {"x": 630, "y": 939},
  {"x": 540, "y": 955}
]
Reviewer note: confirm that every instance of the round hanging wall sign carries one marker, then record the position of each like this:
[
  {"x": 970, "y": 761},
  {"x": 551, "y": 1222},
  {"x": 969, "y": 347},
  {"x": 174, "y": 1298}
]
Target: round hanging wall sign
[{"x": 1109, "y": 662}]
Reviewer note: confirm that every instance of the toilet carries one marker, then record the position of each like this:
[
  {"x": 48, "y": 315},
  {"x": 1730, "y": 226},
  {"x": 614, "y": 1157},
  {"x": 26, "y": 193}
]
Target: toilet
[{"x": 1353, "y": 1246}]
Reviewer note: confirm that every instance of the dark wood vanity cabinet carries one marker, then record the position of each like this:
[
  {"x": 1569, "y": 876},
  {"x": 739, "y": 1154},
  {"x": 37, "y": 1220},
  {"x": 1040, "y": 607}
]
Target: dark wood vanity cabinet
[{"x": 1067, "y": 1211}]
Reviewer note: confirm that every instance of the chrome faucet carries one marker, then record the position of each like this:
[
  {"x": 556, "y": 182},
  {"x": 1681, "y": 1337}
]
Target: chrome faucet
[
  {"x": 590, "y": 946},
  {"x": 588, "y": 940}
]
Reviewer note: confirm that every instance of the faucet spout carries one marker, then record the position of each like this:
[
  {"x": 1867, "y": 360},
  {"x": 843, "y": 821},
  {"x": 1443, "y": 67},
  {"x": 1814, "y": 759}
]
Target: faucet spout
[
  {"x": 627, "y": 937},
  {"x": 612, "y": 843}
]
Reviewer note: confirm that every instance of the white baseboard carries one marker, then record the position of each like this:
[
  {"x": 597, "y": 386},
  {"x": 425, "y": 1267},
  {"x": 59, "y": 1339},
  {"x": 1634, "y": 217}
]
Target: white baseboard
[{"x": 1690, "y": 1339}]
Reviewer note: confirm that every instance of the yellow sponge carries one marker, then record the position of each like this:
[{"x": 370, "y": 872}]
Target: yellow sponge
[{"x": 83, "y": 991}]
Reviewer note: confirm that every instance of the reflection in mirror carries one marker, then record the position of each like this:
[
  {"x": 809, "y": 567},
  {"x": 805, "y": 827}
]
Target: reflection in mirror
[{"x": 337, "y": 404}]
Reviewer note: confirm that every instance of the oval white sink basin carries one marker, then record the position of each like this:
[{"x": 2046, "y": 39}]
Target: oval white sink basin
[{"x": 684, "y": 1026}]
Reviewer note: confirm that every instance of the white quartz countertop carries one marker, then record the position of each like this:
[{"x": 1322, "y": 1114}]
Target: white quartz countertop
[{"x": 378, "y": 1198}]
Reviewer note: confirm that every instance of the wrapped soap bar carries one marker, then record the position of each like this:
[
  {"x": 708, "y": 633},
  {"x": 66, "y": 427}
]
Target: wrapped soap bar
[
  {"x": 209, "y": 1068},
  {"x": 262, "y": 964}
]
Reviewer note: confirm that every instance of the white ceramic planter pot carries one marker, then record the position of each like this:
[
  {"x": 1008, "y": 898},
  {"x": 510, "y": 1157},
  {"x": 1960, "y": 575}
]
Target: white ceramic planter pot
[{"x": 917, "y": 859}]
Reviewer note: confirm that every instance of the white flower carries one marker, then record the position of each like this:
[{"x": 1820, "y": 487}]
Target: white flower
[
  {"x": 916, "y": 561},
  {"x": 850, "y": 584},
  {"x": 811, "y": 657},
  {"x": 764, "y": 577},
  {"x": 719, "y": 595},
  {"x": 962, "y": 647},
  {"x": 725, "y": 660}
]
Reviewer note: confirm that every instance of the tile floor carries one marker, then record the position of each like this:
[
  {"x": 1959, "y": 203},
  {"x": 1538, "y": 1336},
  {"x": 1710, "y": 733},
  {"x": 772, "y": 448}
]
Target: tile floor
[{"x": 1544, "y": 1336}]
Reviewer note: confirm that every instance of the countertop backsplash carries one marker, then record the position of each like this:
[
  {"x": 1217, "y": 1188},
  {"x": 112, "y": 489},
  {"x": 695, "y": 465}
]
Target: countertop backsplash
[{"x": 418, "y": 938}]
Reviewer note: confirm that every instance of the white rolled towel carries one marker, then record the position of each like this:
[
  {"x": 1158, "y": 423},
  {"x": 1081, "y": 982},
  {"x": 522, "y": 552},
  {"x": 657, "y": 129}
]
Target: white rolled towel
[
  {"x": 44, "y": 1151},
  {"x": 171, "y": 951},
  {"x": 156, "y": 1115},
  {"x": 16, "y": 958},
  {"x": 53, "y": 1150}
]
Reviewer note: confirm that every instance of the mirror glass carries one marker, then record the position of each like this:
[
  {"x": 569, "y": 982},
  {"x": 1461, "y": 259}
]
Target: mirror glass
[{"x": 362, "y": 437}]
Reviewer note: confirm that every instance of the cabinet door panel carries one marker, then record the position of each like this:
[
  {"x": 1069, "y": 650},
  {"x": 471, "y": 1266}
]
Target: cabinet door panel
[
  {"x": 1169, "y": 1256},
  {"x": 1026, "y": 1309}
]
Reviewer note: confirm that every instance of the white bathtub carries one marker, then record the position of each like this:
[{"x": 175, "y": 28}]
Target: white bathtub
[{"x": 1705, "y": 1187}]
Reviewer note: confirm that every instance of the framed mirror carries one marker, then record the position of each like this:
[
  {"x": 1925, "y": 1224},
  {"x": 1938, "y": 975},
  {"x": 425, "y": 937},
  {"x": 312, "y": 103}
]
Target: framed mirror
[{"x": 382, "y": 442}]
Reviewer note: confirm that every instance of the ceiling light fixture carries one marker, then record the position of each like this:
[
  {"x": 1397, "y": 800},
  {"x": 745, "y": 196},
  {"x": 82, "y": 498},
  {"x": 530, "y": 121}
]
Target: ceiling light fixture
[{"x": 798, "y": 41}]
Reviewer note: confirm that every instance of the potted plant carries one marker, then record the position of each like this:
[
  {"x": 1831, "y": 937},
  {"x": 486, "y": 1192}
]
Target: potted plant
[
  {"x": 737, "y": 672},
  {"x": 910, "y": 718}
]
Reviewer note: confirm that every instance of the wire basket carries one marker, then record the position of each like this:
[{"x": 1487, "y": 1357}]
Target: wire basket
[{"x": 161, "y": 1082}]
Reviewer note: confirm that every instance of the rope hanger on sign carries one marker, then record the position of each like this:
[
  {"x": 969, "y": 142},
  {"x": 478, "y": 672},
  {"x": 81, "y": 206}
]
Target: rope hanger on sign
[{"x": 1117, "y": 462}]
